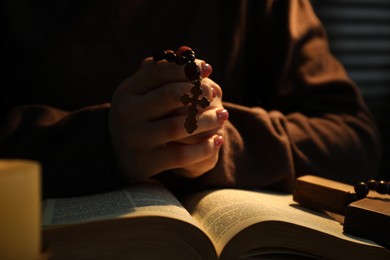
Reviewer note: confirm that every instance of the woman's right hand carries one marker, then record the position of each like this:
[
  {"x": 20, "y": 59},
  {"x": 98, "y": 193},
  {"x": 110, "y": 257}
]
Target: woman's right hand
[{"x": 147, "y": 117}]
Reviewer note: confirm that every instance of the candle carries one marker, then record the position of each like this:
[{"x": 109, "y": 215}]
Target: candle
[{"x": 19, "y": 209}]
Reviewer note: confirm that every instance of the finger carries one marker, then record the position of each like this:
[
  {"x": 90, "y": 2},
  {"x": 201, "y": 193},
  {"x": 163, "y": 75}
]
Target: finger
[
  {"x": 154, "y": 74},
  {"x": 180, "y": 155},
  {"x": 145, "y": 62},
  {"x": 198, "y": 169},
  {"x": 172, "y": 129},
  {"x": 167, "y": 98},
  {"x": 195, "y": 138},
  {"x": 207, "y": 87}
]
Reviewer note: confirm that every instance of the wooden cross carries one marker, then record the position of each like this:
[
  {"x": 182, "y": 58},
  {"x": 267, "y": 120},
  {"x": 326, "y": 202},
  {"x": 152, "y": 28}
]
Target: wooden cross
[{"x": 191, "y": 123}]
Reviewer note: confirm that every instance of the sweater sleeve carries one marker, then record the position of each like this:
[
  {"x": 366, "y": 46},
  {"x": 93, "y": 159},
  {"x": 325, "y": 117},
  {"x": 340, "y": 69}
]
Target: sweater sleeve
[
  {"x": 332, "y": 132},
  {"x": 72, "y": 147}
]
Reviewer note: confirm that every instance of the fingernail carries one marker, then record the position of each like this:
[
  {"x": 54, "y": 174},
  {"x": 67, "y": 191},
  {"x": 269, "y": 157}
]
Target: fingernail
[
  {"x": 218, "y": 141},
  {"x": 206, "y": 69},
  {"x": 222, "y": 114}
]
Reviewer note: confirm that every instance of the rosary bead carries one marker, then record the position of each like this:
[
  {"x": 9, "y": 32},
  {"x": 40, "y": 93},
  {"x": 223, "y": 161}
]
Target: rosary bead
[
  {"x": 361, "y": 190},
  {"x": 190, "y": 55},
  {"x": 159, "y": 55},
  {"x": 180, "y": 60},
  {"x": 383, "y": 187},
  {"x": 192, "y": 71},
  {"x": 171, "y": 56},
  {"x": 372, "y": 184},
  {"x": 188, "y": 52},
  {"x": 183, "y": 49}
]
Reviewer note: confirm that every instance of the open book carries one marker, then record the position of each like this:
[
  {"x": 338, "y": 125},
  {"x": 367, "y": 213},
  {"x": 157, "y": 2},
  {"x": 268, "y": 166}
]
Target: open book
[{"x": 147, "y": 221}]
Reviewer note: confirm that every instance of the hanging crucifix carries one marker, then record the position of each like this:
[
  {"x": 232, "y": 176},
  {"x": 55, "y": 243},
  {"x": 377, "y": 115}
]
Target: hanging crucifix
[{"x": 192, "y": 72}]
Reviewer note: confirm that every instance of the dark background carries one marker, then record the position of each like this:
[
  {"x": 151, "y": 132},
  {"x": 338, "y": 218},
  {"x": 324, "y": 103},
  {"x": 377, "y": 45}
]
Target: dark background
[{"x": 359, "y": 36}]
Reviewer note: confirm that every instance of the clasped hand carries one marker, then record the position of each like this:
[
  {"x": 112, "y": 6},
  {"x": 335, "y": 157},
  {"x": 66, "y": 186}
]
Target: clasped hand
[{"x": 146, "y": 123}]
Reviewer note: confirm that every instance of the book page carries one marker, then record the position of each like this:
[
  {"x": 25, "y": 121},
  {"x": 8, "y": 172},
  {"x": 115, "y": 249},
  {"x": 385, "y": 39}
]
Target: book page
[
  {"x": 142, "y": 199},
  {"x": 221, "y": 212},
  {"x": 224, "y": 213}
]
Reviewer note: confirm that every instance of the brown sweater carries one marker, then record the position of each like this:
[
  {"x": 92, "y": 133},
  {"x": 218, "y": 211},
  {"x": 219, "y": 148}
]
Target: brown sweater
[{"x": 293, "y": 109}]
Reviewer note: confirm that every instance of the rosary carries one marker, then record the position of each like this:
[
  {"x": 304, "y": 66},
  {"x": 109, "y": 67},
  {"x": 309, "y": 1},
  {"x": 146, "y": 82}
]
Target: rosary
[
  {"x": 361, "y": 213},
  {"x": 192, "y": 72},
  {"x": 363, "y": 188}
]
